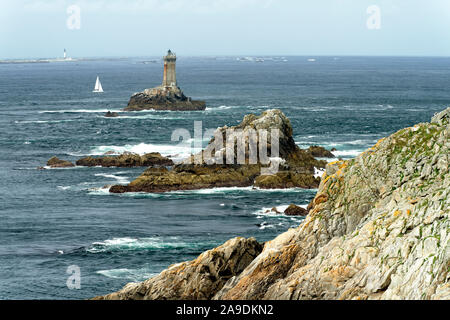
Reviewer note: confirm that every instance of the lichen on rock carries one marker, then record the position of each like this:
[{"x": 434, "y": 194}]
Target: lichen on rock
[{"x": 378, "y": 228}]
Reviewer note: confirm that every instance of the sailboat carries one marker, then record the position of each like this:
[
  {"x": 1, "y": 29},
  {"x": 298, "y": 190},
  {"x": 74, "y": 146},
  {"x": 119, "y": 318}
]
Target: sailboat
[{"x": 98, "y": 86}]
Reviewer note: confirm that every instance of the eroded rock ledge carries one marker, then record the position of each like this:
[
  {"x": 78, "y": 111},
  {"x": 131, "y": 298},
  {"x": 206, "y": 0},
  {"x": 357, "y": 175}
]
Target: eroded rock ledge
[
  {"x": 126, "y": 159},
  {"x": 378, "y": 228}
]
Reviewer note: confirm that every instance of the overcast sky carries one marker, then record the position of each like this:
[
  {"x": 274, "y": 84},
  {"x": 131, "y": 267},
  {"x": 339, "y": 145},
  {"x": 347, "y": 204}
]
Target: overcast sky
[{"x": 42, "y": 28}]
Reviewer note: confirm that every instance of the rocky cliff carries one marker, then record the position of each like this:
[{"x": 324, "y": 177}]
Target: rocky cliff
[{"x": 378, "y": 228}]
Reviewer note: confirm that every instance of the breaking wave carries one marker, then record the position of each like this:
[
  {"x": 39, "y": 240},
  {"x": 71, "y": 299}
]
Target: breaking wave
[{"x": 134, "y": 244}]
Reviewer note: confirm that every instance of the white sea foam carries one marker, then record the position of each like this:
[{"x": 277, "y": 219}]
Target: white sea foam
[
  {"x": 348, "y": 153},
  {"x": 99, "y": 191},
  {"x": 120, "y": 180},
  {"x": 234, "y": 189},
  {"x": 43, "y": 121},
  {"x": 64, "y": 187},
  {"x": 80, "y": 111},
  {"x": 176, "y": 151},
  {"x": 267, "y": 212},
  {"x": 130, "y": 274},
  {"x": 128, "y": 243},
  {"x": 318, "y": 172}
]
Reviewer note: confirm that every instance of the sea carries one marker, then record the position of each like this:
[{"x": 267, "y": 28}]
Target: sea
[{"x": 55, "y": 221}]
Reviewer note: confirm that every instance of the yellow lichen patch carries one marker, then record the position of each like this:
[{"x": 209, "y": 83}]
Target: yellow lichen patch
[
  {"x": 397, "y": 213},
  {"x": 327, "y": 178},
  {"x": 378, "y": 142},
  {"x": 343, "y": 165},
  {"x": 334, "y": 162}
]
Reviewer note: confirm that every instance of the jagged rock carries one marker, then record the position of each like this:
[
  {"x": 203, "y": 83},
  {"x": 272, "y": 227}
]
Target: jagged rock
[
  {"x": 126, "y": 159},
  {"x": 378, "y": 228},
  {"x": 294, "y": 210},
  {"x": 320, "y": 152},
  {"x": 296, "y": 166},
  {"x": 163, "y": 98},
  {"x": 198, "y": 279},
  {"x": 110, "y": 114},
  {"x": 54, "y": 162}
]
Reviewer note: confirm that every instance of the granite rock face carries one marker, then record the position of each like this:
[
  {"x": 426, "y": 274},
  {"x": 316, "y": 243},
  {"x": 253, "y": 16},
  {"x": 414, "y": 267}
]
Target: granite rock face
[
  {"x": 127, "y": 159},
  {"x": 378, "y": 228},
  {"x": 296, "y": 166},
  {"x": 198, "y": 279},
  {"x": 163, "y": 98}
]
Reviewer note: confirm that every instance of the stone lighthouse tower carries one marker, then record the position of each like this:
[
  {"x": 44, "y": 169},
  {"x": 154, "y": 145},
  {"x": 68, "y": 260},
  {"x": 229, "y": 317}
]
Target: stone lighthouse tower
[{"x": 169, "y": 78}]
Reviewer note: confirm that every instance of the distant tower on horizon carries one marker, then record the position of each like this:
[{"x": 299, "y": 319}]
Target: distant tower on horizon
[
  {"x": 65, "y": 53},
  {"x": 169, "y": 78}
]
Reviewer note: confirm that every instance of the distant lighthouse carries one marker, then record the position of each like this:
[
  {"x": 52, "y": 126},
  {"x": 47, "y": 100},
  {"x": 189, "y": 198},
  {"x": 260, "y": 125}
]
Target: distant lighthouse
[
  {"x": 169, "y": 78},
  {"x": 65, "y": 53}
]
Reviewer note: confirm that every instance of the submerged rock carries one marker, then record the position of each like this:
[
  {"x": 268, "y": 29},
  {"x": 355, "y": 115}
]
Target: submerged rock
[
  {"x": 294, "y": 210},
  {"x": 126, "y": 159},
  {"x": 378, "y": 228},
  {"x": 295, "y": 166},
  {"x": 198, "y": 279},
  {"x": 54, "y": 162}
]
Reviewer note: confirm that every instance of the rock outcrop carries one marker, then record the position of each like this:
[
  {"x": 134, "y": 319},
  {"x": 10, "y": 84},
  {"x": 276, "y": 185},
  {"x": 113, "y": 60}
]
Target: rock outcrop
[
  {"x": 55, "y": 162},
  {"x": 296, "y": 166},
  {"x": 198, "y": 279},
  {"x": 320, "y": 152},
  {"x": 378, "y": 228},
  {"x": 294, "y": 210},
  {"x": 110, "y": 114},
  {"x": 126, "y": 159},
  {"x": 163, "y": 98}
]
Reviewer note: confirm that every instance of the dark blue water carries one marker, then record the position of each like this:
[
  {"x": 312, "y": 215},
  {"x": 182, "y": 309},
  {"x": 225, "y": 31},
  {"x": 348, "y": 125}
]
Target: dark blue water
[{"x": 51, "y": 219}]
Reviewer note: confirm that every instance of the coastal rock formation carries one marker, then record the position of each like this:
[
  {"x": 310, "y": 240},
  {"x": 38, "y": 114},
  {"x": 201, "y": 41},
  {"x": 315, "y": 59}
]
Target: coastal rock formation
[
  {"x": 163, "y": 98},
  {"x": 320, "y": 152},
  {"x": 126, "y": 159},
  {"x": 296, "y": 166},
  {"x": 54, "y": 162},
  {"x": 167, "y": 96},
  {"x": 294, "y": 210},
  {"x": 198, "y": 279},
  {"x": 378, "y": 228}
]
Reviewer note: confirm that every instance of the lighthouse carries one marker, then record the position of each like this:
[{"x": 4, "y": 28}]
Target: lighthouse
[{"x": 169, "y": 78}]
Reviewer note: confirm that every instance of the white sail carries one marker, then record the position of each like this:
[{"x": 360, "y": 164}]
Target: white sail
[{"x": 98, "y": 86}]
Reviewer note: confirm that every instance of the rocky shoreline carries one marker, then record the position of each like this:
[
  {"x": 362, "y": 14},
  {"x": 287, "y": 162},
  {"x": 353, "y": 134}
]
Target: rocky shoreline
[
  {"x": 296, "y": 167},
  {"x": 378, "y": 228},
  {"x": 124, "y": 160}
]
